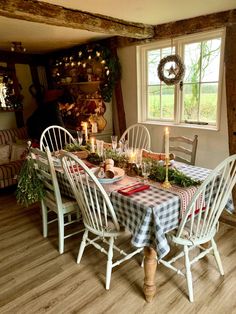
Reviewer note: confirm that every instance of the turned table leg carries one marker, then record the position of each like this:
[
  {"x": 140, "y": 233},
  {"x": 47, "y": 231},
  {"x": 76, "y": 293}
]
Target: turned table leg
[{"x": 150, "y": 266}]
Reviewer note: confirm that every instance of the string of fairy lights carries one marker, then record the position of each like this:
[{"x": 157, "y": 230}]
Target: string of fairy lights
[{"x": 89, "y": 63}]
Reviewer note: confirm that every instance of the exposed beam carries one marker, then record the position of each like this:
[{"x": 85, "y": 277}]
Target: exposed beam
[
  {"x": 194, "y": 25},
  {"x": 42, "y": 12},
  {"x": 184, "y": 27}
]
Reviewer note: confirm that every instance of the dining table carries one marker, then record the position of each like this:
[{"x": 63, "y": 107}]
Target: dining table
[{"x": 149, "y": 214}]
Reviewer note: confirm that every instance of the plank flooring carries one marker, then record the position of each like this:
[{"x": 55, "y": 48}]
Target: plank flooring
[{"x": 35, "y": 278}]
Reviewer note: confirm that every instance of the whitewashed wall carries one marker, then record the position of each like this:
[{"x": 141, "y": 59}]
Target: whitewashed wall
[{"x": 212, "y": 145}]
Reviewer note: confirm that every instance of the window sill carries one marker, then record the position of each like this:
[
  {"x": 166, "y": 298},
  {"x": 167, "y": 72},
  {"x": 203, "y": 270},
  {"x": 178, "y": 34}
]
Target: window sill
[{"x": 182, "y": 125}]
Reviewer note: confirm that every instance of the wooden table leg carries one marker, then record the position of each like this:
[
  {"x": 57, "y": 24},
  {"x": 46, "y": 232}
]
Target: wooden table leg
[{"x": 150, "y": 266}]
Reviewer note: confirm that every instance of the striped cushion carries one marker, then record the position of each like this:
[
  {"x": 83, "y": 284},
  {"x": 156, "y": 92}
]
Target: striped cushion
[
  {"x": 10, "y": 135},
  {"x": 9, "y": 172}
]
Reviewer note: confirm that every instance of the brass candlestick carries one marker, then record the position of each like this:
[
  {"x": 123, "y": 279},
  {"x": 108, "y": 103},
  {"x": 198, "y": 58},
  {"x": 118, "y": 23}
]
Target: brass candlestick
[{"x": 166, "y": 184}]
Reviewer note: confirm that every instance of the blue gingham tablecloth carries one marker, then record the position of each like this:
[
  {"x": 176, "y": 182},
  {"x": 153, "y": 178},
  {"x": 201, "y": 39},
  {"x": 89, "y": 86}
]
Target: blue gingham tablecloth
[{"x": 149, "y": 214}]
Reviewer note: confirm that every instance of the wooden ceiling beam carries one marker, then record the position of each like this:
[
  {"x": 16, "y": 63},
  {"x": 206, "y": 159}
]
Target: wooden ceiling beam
[
  {"x": 194, "y": 25},
  {"x": 183, "y": 27},
  {"x": 46, "y": 13}
]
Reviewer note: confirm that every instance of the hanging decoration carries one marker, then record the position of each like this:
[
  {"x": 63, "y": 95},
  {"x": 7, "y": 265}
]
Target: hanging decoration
[
  {"x": 173, "y": 74},
  {"x": 171, "y": 69}
]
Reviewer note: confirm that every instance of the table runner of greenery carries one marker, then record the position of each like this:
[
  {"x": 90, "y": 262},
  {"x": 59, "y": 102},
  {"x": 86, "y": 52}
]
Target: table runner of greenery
[{"x": 31, "y": 190}]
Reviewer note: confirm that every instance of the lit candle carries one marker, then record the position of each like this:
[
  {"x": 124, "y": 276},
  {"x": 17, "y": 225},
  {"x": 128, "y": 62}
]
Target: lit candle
[
  {"x": 92, "y": 145},
  {"x": 132, "y": 157},
  {"x": 85, "y": 127},
  {"x": 167, "y": 142}
]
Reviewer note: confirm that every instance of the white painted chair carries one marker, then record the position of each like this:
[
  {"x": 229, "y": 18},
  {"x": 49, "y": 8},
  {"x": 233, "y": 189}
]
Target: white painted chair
[
  {"x": 201, "y": 219},
  {"x": 97, "y": 211},
  {"x": 137, "y": 136},
  {"x": 53, "y": 200},
  {"x": 183, "y": 148},
  {"x": 55, "y": 137}
]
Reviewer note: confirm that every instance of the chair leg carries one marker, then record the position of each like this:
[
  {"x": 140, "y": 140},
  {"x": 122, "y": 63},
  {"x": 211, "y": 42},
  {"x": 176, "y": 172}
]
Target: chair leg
[
  {"x": 44, "y": 211},
  {"x": 82, "y": 246},
  {"x": 109, "y": 263},
  {"x": 217, "y": 257},
  {"x": 188, "y": 274},
  {"x": 61, "y": 232}
]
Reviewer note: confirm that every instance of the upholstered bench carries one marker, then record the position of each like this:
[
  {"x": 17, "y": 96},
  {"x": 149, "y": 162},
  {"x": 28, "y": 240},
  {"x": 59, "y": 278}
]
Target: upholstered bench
[{"x": 12, "y": 147}]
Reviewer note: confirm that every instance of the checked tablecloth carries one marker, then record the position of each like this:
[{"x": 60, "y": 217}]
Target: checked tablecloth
[{"x": 149, "y": 214}]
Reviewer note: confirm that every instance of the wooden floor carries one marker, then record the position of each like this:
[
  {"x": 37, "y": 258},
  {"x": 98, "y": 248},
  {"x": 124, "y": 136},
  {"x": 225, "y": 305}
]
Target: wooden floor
[{"x": 34, "y": 278}]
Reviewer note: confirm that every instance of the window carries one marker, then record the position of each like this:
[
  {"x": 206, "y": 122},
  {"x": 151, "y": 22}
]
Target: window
[{"x": 194, "y": 101}]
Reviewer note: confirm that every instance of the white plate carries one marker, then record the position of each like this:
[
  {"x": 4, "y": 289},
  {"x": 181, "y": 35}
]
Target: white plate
[{"x": 119, "y": 173}]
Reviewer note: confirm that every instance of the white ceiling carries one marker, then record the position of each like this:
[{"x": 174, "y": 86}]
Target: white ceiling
[{"x": 41, "y": 38}]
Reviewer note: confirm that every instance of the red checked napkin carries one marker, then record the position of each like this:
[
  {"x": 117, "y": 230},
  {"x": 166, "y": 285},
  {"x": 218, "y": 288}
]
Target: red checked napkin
[{"x": 129, "y": 190}]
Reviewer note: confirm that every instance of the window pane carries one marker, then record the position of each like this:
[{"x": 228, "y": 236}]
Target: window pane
[
  {"x": 192, "y": 61},
  {"x": 153, "y": 100},
  {"x": 196, "y": 98},
  {"x": 210, "y": 60},
  {"x": 167, "y": 102},
  {"x": 208, "y": 103},
  {"x": 153, "y": 57},
  {"x": 191, "y": 102},
  {"x": 167, "y": 51}
]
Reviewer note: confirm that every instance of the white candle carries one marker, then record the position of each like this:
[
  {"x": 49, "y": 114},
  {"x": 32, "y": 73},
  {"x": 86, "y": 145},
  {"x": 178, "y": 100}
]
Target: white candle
[
  {"x": 167, "y": 142},
  {"x": 92, "y": 145},
  {"x": 85, "y": 127},
  {"x": 132, "y": 157}
]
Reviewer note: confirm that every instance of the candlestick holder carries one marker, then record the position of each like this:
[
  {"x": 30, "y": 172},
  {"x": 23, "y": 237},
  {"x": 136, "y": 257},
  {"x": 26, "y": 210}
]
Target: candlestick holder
[
  {"x": 166, "y": 184},
  {"x": 131, "y": 169}
]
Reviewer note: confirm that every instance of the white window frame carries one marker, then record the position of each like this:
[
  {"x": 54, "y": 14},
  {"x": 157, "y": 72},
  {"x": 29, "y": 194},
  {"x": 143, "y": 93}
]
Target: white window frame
[{"x": 142, "y": 78}]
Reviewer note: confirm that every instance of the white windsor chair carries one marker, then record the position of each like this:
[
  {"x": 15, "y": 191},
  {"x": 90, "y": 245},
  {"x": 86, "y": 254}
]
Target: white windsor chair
[
  {"x": 97, "y": 212},
  {"x": 137, "y": 136},
  {"x": 53, "y": 200},
  {"x": 55, "y": 137},
  {"x": 201, "y": 219}
]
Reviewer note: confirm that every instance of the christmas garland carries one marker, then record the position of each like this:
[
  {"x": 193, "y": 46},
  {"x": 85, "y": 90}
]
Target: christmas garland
[
  {"x": 158, "y": 174},
  {"x": 30, "y": 188}
]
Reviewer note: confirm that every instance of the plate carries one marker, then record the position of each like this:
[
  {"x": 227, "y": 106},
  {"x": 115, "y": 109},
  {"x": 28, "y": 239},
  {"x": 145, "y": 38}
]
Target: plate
[{"x": 119, "y": 174}]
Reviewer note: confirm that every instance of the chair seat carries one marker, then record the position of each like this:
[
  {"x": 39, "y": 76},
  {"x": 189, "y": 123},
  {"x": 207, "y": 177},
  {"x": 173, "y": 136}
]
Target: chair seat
[
  {"x": 110, "y": 230},
  {"x": 69, "y": 204},
  {"x": 186, "y": 239}
]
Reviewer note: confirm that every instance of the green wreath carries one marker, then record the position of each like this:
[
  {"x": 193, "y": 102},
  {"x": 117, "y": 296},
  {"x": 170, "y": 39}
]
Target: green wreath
[{"x": 178, "y": 71}]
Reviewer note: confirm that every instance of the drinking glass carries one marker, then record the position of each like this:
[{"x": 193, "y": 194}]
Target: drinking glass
[
  {"x": 79, "y": 138},
  {"x": 146, "y": 169},
  {"x": 114, "y": 142},
  {"x": 100, "y": 148},
  {"x": 138, "y": 159}
]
